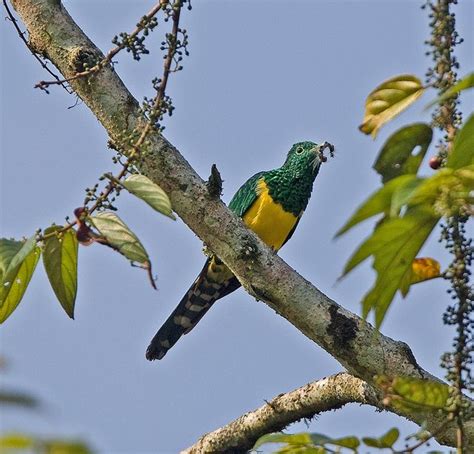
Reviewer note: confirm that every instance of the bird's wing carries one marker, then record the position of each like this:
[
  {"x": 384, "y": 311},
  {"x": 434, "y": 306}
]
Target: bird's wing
[{"x": 245, "y": 196}]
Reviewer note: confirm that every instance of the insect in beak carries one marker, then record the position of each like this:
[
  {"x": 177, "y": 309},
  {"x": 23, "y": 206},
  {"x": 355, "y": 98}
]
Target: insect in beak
[{"x": 321, "y": 149}]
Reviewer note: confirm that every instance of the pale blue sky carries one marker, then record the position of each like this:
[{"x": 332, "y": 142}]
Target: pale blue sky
[{"x": 261, "y": 76}]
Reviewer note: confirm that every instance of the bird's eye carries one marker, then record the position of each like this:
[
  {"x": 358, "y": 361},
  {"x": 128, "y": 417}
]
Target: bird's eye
[{"x": 299, "y": 150}]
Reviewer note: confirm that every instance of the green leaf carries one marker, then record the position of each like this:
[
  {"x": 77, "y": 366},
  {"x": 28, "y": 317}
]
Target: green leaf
[
  {"x": 15, "y": 441},
  {"x": 346, "y": 442},
  {"x": 149, "y": 192},
  {"x": 394, "y": 244},
  {"x": 318, "y": 439},
  {"x": 294, "y": 439},
  {"x": 428, "y": 190},
  {"x": 403, "y": 195},
  {"x": 372, "y": 442},
  {"x": 390, "y": 438},
  {"x": 8, "y": 249},
  {"x": 415, "y": 394},
  {"x": 300, "y": 449},
  {"x": 388, "y": 100},
  {"x": 60, "y": 262},
  {"x": 59, "y": 446},
  {"x": 385, "y": 441},
  {"x": 116, "y": 232},
  {"x": 380, "y": 201},
  {"x": 17, "y": 263},
  {"x": 404, "y": 238},
  {"x": 306, "y": 442},
  {"x": 398, "y": 229},
  {"x": 464, "y": 84},
  {"x": 19, "y": 442},
  {"x": 462, "y": 154},
  {"x": 423, "y": 393},
  {"x": 448, "y": 191},
  {"x": 396, "y": 157}
]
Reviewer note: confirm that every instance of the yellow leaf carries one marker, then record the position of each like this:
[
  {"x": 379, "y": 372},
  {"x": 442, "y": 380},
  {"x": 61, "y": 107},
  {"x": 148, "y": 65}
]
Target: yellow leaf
[
  {"x": 422, "y": 269},
  {"x": 388, "y": 100}
]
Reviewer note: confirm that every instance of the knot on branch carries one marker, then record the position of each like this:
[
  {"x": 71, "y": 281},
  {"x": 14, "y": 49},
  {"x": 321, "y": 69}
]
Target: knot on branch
[
  {"x": 342, "y": 329},
  {"x": 249, "y": 250},
  {"x": 82, "y": 59},
  {"x": 214, "y": 183}
]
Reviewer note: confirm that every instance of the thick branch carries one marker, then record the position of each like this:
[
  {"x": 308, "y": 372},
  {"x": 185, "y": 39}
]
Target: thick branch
[
  {"x": 330, "y": 393},
  {"x": 353, "y": 342}
]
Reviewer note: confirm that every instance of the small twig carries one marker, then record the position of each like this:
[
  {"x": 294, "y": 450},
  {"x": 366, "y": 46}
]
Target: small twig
[
  {"x": 135, "y": 149},
  {"x": 76, "y": 102},
  {"x": 164, "y": 81},
  {"x": 43, "y": 84},
  {"x": 156, "y": 107},
  {"x": 69, "y": 225},
  {"x": 420, "y": 443},
  {"x": 157, "y": 102},
  {"x": 21, "y": 34}
]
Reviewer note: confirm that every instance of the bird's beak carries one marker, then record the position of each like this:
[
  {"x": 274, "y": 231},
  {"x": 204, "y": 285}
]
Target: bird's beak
[{"x": 316, "y": 162}]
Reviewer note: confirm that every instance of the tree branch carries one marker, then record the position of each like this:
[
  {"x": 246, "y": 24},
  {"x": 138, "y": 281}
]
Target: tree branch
[
  {"x": 361, "y": 349},
  {"x": 329, "y": 393}
]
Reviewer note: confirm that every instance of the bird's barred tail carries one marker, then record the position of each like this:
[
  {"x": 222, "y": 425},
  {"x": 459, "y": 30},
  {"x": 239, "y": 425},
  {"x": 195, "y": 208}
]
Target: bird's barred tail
[{"x": 204, "y": 292}]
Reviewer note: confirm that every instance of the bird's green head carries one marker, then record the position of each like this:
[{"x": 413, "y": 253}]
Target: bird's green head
[
  {"x": 292, "y": 183},
  {"x": 305, "y": 158}
]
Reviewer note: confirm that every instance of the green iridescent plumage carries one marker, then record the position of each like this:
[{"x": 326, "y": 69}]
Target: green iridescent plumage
[{"x": 290, "y": 185}]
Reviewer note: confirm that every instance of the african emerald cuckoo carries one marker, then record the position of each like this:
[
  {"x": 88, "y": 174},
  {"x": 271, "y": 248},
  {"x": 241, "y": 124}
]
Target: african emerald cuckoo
[{"x": 271, "y": 204}]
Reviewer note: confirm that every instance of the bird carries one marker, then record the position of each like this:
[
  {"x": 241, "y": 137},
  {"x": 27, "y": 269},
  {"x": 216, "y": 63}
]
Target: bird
[{"x": 271, "y": 204}]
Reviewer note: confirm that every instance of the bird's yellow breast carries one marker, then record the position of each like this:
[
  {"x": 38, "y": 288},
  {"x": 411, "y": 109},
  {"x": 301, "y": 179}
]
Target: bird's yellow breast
[{"x": 268, "y": 219}]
